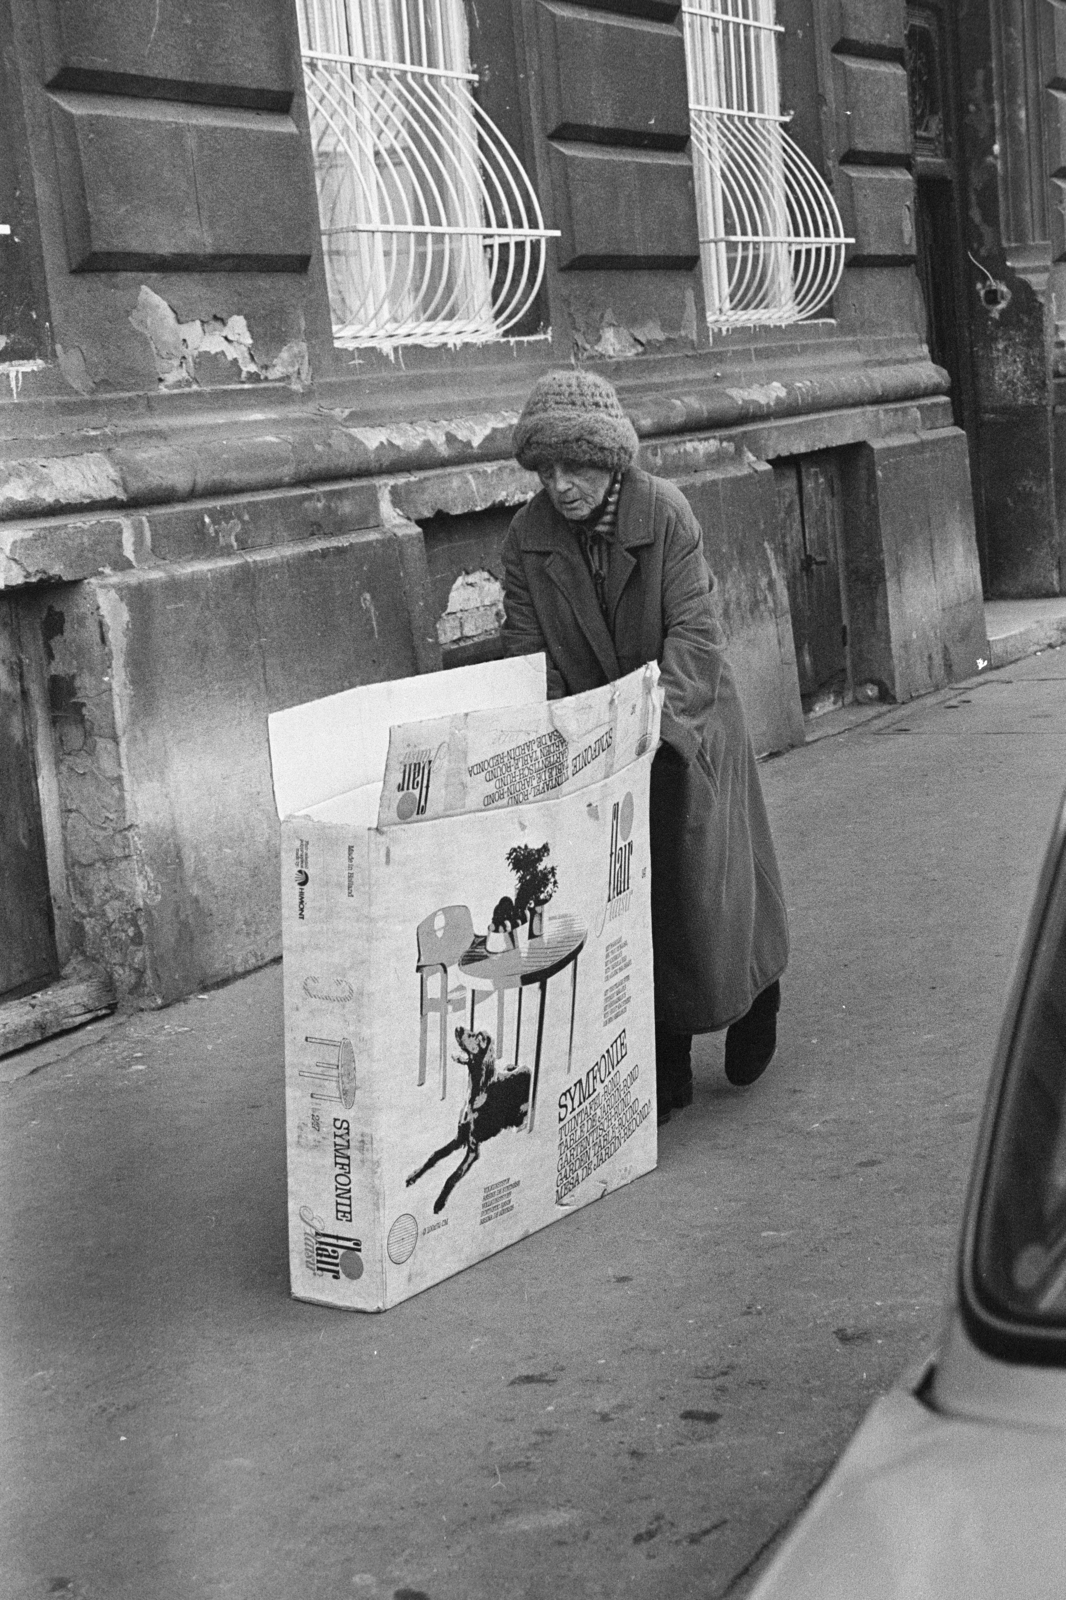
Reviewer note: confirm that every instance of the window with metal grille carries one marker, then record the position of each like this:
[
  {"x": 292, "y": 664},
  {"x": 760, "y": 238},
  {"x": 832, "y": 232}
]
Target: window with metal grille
[
  {"x": 771, "y": 238},
  {"x": 431, "y": 229}
]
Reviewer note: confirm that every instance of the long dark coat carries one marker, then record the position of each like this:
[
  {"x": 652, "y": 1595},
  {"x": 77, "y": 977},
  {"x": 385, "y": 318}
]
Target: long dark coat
[{"x": 719, "y": 927}]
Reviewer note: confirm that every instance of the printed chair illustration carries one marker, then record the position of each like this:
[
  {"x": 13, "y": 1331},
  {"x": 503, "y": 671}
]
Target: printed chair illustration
[{"x": 443, "y": 939}]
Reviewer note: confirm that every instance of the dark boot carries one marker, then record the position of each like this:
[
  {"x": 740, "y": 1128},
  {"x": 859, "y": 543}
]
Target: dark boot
[
  {"x": 673, "y": 1071},
  {"x": 750, "y": 1043}
]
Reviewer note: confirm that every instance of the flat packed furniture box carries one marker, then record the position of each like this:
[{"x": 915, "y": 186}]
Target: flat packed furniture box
[{"x": 469, "y": 1028}]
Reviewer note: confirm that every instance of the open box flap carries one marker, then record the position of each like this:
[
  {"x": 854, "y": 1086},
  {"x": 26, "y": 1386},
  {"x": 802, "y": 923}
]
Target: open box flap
[
  {"x": 355, "y": 808},
  {"x": 475, "y": 761},
  {"x": 329, "y": 747}
]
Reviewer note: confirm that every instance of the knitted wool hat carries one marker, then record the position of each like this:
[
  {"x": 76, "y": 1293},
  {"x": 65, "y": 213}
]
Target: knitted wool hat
[{"x": 574, "y": 416}]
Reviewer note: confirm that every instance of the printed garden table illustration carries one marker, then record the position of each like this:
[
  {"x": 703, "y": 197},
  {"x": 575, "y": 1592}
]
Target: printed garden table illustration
[
  {"x": 336, "y": 1075},
  {"x": 531, "y": 960}
]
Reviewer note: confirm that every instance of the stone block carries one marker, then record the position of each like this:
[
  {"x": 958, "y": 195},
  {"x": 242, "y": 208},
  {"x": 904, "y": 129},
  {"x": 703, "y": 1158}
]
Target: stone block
[
  {"x": 877, "y": 209},
  {"x": 462, "y": 490},
  {"x": 866, "y": 27},
  {"x": 257, "y": 521},
  {"x": 735, "y": 507},
  {"x": 1016, "y": 471},
  {"x": 239, "y": 54},
  {"x": 620, "y": 209},
  {"x": 880, "y": 302},
  {"x": 911, "y": 577},
  {"x": 871, "y": 109},
  {"x": 45, "y": 485},
  {"x": 198, "y": 656},
  {"x": 612, "y": 79},
  {"x": 152, "y": 187},
  {"x": 418, "y": 592},
  {"x": 51, "y": 550}
]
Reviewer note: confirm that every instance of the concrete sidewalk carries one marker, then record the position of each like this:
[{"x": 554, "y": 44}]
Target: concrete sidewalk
[{"x": 630, "y": 1403}]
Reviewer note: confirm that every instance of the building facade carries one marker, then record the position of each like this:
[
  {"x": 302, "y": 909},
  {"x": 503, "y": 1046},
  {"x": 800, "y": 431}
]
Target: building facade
[
  {"x": 275, "y": 277},
  {"x": 989, "y": 118}
]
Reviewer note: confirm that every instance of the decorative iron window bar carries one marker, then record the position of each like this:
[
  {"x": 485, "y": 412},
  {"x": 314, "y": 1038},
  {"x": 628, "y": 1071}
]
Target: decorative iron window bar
[
  {"x": 432, "y": 232},
  {"x": 771, "y": 238}
]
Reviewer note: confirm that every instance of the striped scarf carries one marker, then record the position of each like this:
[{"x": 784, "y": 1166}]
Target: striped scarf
[{"x": 597, "y": 534}]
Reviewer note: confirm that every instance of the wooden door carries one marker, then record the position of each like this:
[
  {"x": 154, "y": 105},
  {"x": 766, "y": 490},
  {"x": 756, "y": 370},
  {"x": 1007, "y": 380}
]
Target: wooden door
[
  {"x": 809, "y": 534},
  {"x": 27, "y": 943}
]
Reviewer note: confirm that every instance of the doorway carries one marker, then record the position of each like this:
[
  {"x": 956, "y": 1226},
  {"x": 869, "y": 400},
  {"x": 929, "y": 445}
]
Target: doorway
[
  {"x": 942, "y": 266},
  {"x": 809, "y": 538}
]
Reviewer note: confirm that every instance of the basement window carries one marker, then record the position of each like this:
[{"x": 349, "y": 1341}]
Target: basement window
[
  {"x": 771, "y": 238},
  {"x": 431, "y": 229}
]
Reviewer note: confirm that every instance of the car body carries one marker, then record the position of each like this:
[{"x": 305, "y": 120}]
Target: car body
[{"x": 954, "y": 1486}]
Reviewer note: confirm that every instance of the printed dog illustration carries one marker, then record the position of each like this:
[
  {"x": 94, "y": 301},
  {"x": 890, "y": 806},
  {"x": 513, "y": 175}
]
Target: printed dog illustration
[
  {"x": 505, "y": 917},
  {"x": 498, "y": 1099}
]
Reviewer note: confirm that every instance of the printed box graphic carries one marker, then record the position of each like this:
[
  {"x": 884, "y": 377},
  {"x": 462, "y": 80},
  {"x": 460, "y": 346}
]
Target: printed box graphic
[{"x": 467, "y": 956}]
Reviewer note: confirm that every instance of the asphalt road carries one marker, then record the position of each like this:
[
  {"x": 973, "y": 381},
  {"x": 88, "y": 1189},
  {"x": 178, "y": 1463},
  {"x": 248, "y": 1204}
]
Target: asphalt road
[{"x": 633, "y": 1402}]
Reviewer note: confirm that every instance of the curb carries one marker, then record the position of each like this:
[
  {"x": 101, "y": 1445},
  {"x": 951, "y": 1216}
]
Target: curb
[{"x": 1045, "y": 632}]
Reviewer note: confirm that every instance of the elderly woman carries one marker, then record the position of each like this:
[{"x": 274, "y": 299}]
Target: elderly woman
[{"x": 604, "y": 570}]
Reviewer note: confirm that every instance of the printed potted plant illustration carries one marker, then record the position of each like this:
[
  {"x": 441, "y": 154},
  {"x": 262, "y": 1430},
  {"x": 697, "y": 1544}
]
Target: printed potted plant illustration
[{"x": 536, "y": 884}]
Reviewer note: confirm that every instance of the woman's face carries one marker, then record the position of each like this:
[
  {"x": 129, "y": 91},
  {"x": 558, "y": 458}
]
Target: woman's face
[{"x": 573, "y": 490}]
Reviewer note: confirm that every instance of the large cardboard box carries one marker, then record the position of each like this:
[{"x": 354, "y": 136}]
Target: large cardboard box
[{"x": 469, "y": 1033}]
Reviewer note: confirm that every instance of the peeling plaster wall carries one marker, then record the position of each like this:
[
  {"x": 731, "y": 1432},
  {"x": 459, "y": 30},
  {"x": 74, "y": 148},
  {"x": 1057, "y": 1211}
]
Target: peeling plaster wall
[
  {"x": 475, "y": 611},
  {"x": 465, "y": 576},
  {"x": 608, "y": 320},
  {"x": 220, "y": 336},
  {"x": 179, "y": 348},
  {"x": 174, "y": 451}
]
